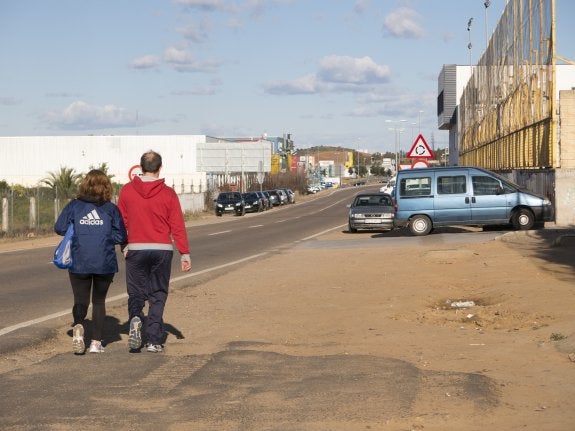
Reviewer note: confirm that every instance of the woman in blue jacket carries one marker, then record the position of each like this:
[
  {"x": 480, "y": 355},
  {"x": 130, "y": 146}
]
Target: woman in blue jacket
[{"x": 98, "y": 227}]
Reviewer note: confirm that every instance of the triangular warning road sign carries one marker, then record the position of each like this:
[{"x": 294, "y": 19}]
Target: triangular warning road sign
[{"x": 420, "y": 149}]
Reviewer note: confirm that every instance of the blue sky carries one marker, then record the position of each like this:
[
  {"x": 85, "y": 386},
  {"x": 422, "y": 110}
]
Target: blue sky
[{"x": 330, "y": 72}]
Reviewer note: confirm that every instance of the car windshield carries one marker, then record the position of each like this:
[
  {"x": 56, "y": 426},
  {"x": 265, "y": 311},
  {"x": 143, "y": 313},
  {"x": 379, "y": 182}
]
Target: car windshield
[
  {"x": 229, "y": 196},
  {"x": 373, "y": 200}
]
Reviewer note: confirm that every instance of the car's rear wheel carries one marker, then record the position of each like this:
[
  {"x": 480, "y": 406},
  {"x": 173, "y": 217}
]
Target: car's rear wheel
[
  {"x": 523, "y": 219},
  {"x": 420, "y": 225}
]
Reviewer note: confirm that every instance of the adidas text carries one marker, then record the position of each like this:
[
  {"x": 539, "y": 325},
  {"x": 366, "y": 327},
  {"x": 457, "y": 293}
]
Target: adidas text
[{"x": 91, "y": 222}]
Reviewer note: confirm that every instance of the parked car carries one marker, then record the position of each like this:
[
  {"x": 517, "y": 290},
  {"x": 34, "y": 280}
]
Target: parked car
[
  {"x": 283, "y": 196},
  {"x": 371, "y": 211},
  {"x": 280, "y": 197},
  {"x": 265, "y": 200},
  {"x": 253, "y": 202},
  {"x": 312, "y": 189},
  {"x": 273, "y": 197},
  {"x": 291, "y": 195},
  {"x": 230, "y": 202}
]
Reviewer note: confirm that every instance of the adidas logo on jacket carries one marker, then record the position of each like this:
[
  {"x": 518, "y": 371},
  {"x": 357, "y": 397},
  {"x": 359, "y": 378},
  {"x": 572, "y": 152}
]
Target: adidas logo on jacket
[{"x": 92, "y": 218}]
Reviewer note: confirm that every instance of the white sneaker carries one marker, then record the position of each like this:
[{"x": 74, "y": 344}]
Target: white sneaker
[
  {"x": 155, "y": 348},
  {"x": 135, "y": 335},
  {"x": 78, "y": 339},
  {"x": 96, "y": 347}
]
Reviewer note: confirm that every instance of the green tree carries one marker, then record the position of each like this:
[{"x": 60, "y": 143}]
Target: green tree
[
  {"x": 64, "y": 183},
  {"x": 4, "y": 188}
]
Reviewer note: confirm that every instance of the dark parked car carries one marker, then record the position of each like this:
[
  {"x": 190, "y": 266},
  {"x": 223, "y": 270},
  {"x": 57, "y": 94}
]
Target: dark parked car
[
  {"x": 291, "y": 195},
  {"x": 271, "y": 198},
  {"x": 265, "y": 199},
  {"x": 230, "y": 202},
  {"x": 253, "y": 202},
  {"x": 371, "y": 211}
]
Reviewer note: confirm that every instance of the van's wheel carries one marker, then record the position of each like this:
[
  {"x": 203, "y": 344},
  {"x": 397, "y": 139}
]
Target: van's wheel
[
  {"x": 350, "y": 229},
  {"x": 523, "y": 219},
  {"x": 420, "y": 225}
]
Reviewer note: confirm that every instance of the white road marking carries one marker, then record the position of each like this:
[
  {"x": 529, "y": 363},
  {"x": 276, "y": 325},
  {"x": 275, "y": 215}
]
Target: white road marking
[{"x": 219, "y": 233}]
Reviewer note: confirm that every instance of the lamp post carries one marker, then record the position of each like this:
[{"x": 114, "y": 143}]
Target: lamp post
[
  {"x": 486, "y": 3},
  {"x": 397, "y": 132}
]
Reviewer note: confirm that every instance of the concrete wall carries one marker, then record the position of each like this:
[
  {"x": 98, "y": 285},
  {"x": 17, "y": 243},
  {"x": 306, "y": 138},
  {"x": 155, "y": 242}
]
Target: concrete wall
[
  {"x": 565, "y": 197},
  {"x": 565, "y": 175}
]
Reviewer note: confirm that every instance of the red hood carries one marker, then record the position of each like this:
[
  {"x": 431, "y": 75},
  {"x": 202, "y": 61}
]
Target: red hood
[{"x": 148, "y": 189}]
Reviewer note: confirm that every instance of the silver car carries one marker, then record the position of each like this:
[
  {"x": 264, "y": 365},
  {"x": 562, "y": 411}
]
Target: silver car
[{"x": 373, "y": 211}]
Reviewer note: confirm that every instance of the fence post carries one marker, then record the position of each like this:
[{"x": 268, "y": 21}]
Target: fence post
[
  {"x": 4, "y": 214},
  {"x": 56, "y": 209},
  {"x": 32, "y": 212}
]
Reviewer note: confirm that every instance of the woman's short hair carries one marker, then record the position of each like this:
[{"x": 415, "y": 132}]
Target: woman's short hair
[{"x": 96, "y": 186}]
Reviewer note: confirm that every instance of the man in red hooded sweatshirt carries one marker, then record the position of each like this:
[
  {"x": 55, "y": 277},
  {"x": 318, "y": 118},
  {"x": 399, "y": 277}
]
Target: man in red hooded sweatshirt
[{"x": 153, "y": 218}]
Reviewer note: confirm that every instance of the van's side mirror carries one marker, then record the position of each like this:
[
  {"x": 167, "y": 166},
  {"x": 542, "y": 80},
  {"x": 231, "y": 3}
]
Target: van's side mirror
[{"x": 500, "y": 191}]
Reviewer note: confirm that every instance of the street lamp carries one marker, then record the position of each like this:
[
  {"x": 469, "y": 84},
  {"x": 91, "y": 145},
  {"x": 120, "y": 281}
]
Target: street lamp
[{"x": 397, "y": 132}]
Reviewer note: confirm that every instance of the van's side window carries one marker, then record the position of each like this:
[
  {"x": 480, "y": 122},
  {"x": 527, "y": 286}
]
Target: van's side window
[
  {"x": 483, "y": 185},
  {"x": 450, "y": 185},
  {"x": 415, "y": 186}
]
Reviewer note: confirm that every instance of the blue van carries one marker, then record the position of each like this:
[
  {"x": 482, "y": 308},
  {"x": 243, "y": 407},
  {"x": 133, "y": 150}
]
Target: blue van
[{"x": 429, "y": 197}]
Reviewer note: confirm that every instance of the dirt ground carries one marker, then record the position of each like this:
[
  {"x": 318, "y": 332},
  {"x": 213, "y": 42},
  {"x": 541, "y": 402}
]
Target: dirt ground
[
  {"x": 370, "y": 301},
  {"x": 518, "y": 328}
]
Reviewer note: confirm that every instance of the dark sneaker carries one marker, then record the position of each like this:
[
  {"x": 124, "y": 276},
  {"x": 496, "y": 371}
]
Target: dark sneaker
[
  {"x": 155, "y": 348},
  {"x": 78, "y": 339},
  {"x": 135, "y": 335}
]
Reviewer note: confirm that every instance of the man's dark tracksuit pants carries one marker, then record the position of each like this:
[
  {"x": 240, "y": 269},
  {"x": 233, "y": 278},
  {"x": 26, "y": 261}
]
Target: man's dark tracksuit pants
[{"x": 147, "y": 279}]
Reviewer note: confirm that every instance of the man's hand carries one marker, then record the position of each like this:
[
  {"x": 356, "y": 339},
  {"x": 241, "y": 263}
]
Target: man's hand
[{"x": 186, "y": 266}]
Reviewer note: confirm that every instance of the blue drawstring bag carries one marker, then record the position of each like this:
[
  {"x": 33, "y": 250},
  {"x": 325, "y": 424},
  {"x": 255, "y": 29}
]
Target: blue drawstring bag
[{"x": 63, "y": 254}]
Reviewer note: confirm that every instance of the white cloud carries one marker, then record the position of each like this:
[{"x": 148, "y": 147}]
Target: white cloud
[
  {"x": 336, "y": 74},
  {"x": 81, "y": 116},
  {"x": 145, "y": 62},
  {"x": 349, "y": 70},
  {"x": 183, "y": 61},
  {"x": 306, "y": 85},
  {"x": 178, "y": 56},
  {"x": 404, "y": 23}
]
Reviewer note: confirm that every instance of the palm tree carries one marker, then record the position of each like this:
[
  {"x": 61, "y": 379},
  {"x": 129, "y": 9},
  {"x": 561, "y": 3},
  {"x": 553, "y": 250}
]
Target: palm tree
[{"x": 64, "y": 183}]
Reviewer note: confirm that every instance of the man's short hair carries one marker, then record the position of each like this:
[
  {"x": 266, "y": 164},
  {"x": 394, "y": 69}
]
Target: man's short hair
[{"x": 150, "y": 162}]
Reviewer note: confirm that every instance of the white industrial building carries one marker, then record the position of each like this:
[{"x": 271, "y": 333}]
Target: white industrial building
[{"x": 189, "y": 161}]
